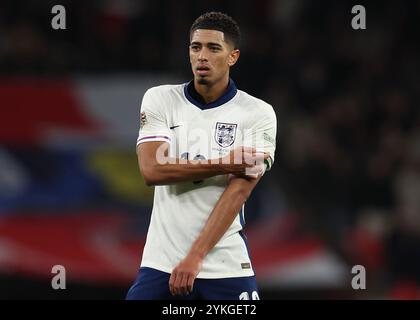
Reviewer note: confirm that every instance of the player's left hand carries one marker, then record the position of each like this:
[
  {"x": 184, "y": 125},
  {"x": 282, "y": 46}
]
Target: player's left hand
[{"x": 183, "y": 275}]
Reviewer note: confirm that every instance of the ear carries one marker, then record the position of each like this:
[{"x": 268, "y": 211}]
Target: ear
[{"x": 233, "y": 57}]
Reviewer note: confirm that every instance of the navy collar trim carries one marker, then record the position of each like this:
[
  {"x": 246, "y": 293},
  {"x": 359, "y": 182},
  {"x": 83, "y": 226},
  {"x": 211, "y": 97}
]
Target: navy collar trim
[{"x": 194, "y": 97}]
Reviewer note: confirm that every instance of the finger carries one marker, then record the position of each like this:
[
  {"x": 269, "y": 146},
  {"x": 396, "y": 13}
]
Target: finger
[
  {"x": 177, "y": 284},
  {"x": 190, "y": 284},
  {"x": 248, "y": 156},
  {"x": 260, "y": 155},
  {"x": 245, "y": 165},
  {"x": 247, "y": 159},
  {"x": 183, "y": 285},
  {"x": 172, "y": 282},
  {"x": 248, "y": 150}
]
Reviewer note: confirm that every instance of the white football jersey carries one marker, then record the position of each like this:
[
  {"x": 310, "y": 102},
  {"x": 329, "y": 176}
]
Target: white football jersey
[{"x": 195, "y": 130}]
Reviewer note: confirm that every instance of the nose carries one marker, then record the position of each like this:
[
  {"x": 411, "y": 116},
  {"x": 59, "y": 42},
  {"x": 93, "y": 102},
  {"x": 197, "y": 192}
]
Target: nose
[{"x": 202, "y": 56}]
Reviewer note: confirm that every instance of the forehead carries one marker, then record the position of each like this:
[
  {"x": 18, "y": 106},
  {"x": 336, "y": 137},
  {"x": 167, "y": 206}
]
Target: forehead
[{"x": 205, "y": 36}]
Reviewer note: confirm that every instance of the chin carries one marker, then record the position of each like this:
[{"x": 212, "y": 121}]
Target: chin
[{"x": 203, "y": 81}]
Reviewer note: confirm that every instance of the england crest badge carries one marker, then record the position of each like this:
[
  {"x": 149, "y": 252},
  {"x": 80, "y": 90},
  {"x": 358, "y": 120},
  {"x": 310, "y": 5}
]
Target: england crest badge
[{"x": 225, "y": 134}]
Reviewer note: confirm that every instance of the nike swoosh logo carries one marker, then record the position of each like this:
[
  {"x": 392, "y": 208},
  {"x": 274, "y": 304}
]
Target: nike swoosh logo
[{"x": 175, "y": 126}]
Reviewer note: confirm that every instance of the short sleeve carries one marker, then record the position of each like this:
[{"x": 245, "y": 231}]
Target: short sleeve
[
  {"x": 153, "y": 124},
  {"x": 261, "y": 133}
]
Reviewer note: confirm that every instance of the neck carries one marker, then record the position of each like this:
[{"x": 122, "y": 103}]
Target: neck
[{"x": 211, "y": 92}]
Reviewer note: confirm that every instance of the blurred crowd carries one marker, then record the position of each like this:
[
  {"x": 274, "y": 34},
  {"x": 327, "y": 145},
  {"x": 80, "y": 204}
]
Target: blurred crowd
[{"x": 348, "y": 154}]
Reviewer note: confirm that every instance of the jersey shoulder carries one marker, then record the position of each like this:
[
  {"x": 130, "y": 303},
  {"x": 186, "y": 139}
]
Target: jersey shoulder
[
  {"x": 163, "y": 98},
  {"x": 165, "y": 91},
  {"x": 254, "y": 104}
]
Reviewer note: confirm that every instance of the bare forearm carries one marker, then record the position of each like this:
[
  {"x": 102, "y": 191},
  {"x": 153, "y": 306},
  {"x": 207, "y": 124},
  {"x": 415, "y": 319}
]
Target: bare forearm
[
  {"x": 177, "y": 171},
  {"x": 159, "y": 169},
  {"x": 183, "y": 275},
  {"x": 223, "y": 215}
]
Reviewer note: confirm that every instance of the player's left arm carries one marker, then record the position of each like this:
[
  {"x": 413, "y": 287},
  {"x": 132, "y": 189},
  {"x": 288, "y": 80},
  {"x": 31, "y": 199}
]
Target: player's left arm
[
  {"x": 221, "y": 218},
  {"x": 262, "y": 133}
]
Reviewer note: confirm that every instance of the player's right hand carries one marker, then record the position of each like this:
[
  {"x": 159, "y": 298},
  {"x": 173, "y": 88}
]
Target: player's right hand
[{"x": 242, "y": 158}]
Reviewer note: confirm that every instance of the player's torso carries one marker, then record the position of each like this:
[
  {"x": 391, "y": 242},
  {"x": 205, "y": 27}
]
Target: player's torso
[
  {"x": 181, "y": 210},
  {"x": 196, "y": 134}
]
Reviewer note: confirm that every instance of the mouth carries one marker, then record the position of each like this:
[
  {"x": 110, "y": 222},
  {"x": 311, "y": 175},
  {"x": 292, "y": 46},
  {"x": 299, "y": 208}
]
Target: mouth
[{"x": 202, "y": 70}]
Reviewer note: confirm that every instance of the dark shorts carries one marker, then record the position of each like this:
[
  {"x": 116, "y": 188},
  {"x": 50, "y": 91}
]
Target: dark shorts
[{"x": 152, "y": 284}]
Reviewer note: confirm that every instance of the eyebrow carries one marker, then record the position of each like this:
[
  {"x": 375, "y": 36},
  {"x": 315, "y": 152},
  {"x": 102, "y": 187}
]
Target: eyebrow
[{"x": 208, "y": 44}]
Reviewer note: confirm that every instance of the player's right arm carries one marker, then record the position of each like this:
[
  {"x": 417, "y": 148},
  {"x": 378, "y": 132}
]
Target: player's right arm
[
  {"x": 158, "y": 169},
  {"x": 153, "y": 142}
]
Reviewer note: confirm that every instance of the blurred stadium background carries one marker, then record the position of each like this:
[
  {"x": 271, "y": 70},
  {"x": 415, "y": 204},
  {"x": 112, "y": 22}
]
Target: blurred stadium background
[{"x": 345, "y": 188}]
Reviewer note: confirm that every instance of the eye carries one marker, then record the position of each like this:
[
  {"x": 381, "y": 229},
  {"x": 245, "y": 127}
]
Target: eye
[
  {"x": 214, "y": 49},
  {"x": 195, "y": 47}
]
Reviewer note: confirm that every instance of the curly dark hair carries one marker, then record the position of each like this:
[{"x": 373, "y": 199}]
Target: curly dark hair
[{"x": 220, "y": 22}]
